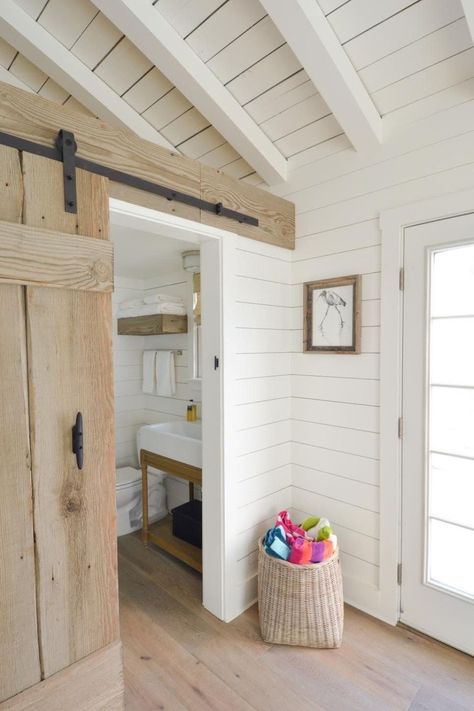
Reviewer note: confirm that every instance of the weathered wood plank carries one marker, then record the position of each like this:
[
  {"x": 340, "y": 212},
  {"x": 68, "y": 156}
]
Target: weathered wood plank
[
  {"x": 152, "y": 325},
  {"x": 92, "y": 684},
  {"x": 70, "y": 370},
  {"x": 276, "y": 218},
  {"x": 37, "y": 119},
  {"x": 19, "y": 653},
  {"x": 31, "y": 255}
]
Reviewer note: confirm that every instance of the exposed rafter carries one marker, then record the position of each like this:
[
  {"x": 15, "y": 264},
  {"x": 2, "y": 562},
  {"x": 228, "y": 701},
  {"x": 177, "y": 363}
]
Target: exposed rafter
[
  {"x": 43, "y": 50},
  {"x": 163, "y": 46},
  {"x": 468, "y": 7},
  {"x": 317, "y": 47}
]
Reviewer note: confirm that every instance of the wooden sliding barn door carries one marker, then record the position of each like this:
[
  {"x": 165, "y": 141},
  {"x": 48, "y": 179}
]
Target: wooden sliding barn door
[
  {"x": 19, "y": 648},
  {"x": 56, "y": 353}
]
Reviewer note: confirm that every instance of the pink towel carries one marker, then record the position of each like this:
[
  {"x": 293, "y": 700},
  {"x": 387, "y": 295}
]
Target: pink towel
[
  {"x": 291, "y": 529},
  {"x": 301, "y": 551}
]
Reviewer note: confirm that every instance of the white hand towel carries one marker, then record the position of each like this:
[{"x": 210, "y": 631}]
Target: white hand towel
[
  {"x": 166, "y": 298},
  {"x": 131, "y": 303},
  {"x": 165, "y": 375},
  {"x": 149, "y": 358}
]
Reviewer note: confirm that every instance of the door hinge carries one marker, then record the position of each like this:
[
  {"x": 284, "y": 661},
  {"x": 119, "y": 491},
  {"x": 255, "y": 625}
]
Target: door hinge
[
  {"x": 400, "y": 427},
  {"x": 401, "y": 279},
  {"x": 399, "y": 574}
]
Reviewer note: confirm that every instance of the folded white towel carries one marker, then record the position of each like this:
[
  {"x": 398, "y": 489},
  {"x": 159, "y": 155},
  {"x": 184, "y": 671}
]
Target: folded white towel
[
  {"x": 150, "y": 309},
  {"x": 165, "y": 374},
  {"x": 149, "y": 358},
  {"x": 131, "y": 303},
  {"x": 163, "y": 298}
]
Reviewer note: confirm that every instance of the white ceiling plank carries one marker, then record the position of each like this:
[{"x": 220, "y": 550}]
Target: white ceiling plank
[
  {"x": 245, "y": 51},
  {"x": 163, "y": 46},
  {"x": 468, "y": 7},
  {"x": 96, "y": 41},
  {"x": 263, "y": 76},
  {"x": 419, "y": 55},
  {"x": 316, "y": 46},
  {"x": 32, "y": 7},
  {"x": 53, "y": 92},
  {"x": 7, "y": 53},
  {"x": 401, "y": 30},
  {"x": 51, "y": 57},
  {"x": 147, "y": 90},
  {"x": 186, "y": 15},
  {"x": 10, "y": 78},
  {"x": 28, "y": 72},
  {"x": 66, "y": 20},
  {"x": 205, "y": 143},
  {"x": 281, "y": 97}
]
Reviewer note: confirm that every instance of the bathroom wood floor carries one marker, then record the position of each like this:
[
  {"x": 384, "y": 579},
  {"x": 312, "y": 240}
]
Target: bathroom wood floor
[{"x": 178, "y": 656}]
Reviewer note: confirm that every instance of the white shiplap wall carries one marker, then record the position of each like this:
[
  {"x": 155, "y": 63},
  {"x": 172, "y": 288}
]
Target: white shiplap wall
[
  {"x": 128, "y": 355},
  {"x": 260, "y": 479},
  {"x": 335, "y": 399}
]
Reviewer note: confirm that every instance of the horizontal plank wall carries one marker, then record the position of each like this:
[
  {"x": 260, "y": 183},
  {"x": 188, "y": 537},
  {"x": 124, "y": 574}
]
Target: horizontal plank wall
[
  {"x": 259, "y": 448},
  {"x": 335, "y": 399},
  {"x": 39, "y": 120}
]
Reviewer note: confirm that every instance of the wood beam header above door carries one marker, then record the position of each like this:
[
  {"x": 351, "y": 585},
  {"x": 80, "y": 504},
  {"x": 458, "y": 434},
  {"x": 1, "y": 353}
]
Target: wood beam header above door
[{"x": 35, "y": 119}]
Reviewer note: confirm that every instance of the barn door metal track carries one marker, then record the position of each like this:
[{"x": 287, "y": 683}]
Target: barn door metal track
[{"x": 65, "y": 152}]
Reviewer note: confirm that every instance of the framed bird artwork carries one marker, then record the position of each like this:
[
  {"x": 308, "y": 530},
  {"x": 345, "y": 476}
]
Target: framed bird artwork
[{"x": 332, "y": 315}]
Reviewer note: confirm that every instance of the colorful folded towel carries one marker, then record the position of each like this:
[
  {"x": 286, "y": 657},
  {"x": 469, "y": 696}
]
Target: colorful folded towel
[
  {"x": 317, "y": 528},
  {"x": 311, "y": 542},
  {"x": 275, "y": 543},
  {"x": 291, "y": 529},
  {"x": 301, "y": 551}
]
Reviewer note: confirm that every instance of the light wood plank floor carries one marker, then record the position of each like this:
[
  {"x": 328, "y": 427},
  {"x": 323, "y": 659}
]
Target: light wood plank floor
[{"x": 178, "y": 656}]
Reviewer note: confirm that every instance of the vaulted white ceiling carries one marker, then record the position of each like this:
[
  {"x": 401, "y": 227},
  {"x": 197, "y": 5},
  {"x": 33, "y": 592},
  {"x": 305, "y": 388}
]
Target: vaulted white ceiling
[{"x": 252, "y": 88}]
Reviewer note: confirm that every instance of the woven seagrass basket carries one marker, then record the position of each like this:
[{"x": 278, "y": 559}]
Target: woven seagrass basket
[{"x": 300, "y": 605}]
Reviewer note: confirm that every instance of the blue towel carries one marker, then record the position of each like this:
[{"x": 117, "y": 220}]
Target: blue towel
[{"x": 275, "y": 543}]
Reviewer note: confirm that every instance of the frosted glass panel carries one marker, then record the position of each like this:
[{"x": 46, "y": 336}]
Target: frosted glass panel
[
  {"x": 450, "y": 556},
  {"x": 452, "y": 420},
  {"x": 453, "y": 281},
  {"x": 452, "y": 351},
  {"x": 452, "y": 489}
]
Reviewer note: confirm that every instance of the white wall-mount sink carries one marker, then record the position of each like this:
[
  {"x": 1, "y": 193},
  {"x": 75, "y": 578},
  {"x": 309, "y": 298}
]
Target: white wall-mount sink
[{"x": 180, "y": 440}]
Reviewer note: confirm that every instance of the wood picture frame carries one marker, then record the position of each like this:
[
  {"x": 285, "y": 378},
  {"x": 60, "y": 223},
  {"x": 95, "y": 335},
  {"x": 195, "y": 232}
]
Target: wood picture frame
[{"x": 332, "y": 315}]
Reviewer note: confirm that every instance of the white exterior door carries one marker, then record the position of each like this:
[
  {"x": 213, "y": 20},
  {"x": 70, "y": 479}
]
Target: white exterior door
[{"x": 437, "y": 589}]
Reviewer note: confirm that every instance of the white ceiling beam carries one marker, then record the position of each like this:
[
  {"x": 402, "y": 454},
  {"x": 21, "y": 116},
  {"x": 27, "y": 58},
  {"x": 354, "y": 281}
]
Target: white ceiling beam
[
  {"x": 159, "y": 41},
  {"x": 317, "y": 47},
  {"x": 468, "y": 7},
  {"x": 47, "y": 53}
]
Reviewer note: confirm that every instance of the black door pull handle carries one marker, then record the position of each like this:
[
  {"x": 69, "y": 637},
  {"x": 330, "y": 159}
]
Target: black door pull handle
[{"x": 78, "y": 441}]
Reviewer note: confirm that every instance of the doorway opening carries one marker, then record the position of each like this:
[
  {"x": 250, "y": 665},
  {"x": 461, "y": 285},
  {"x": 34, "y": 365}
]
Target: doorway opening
[{"x": 169, "y": 355}]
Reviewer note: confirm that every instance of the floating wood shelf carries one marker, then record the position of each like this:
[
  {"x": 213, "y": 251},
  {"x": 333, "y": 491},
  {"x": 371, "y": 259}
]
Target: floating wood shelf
[{"x": 153, "y": 325}]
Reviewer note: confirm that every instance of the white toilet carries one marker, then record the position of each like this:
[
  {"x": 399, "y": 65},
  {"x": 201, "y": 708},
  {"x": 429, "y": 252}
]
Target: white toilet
[{"x": 129, "y": 498}]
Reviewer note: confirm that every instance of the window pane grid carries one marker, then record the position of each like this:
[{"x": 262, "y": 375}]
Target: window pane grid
[{"x": 450, "y": 471}]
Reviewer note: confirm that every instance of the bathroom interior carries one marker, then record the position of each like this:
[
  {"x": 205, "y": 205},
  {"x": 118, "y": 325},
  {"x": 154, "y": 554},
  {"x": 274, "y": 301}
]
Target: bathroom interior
[{"x": 156, "y": 312}]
